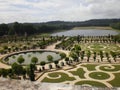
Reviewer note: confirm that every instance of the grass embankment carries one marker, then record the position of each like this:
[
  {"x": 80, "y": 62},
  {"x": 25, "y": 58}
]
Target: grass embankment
[{"x": 93, "y": 27}]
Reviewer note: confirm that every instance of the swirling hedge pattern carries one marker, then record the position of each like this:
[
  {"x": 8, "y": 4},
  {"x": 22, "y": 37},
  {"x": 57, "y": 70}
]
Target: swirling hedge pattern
[{"x": 100, "y": 75}]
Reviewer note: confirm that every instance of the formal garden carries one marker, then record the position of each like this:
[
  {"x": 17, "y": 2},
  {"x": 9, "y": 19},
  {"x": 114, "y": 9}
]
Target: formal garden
[
  {"x": 100, "y": 75},
  {"x": 76, "y": 60}
]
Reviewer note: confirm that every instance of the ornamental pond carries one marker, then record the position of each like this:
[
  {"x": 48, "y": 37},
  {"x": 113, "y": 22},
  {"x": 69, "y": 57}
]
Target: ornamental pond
[
  {"x": 41, "y": 55},
  {"x": 87, "y": 32}
]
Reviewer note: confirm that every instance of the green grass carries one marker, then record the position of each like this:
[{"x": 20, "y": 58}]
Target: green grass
[
  {"x": 92, "y": 83},
  {"x": 108, "y": 68},
  {"x": 99, "y": 75},
  {"x": 79, "y": 72},
  {"x": 97, "y": 46},
  {"x": 116, "y": 81},
  {"x": 100, "y": 46},
  {"x": 93, "y": 27},
  {"x": 64, "y": 77},
  {"x": 90, "y": 67}
]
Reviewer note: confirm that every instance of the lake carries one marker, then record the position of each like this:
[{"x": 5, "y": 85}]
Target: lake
[{"x": 87, "y": 32}]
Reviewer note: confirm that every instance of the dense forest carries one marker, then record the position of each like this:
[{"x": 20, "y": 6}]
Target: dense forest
[{"x": 35, "y": 28}]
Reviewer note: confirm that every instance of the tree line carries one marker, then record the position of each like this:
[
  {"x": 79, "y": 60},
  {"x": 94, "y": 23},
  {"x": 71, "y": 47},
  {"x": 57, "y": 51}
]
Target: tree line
[
  {"x": 53, "y": 26},
  {"x": 22, "y": 29}
]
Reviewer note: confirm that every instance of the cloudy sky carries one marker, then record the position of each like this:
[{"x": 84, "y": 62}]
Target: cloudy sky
[{"x": 51, "y": 10}]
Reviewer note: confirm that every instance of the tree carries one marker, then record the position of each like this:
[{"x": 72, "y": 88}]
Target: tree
[
  {"x": 5, "y": 47},
  {"x": 74, "y": 56},
  {"x": 17, "y": 69},
  {"x": 50, "y": 66},
  {"x": 77, "y": 48},
  {"x": 43, "y": 64},
  {"x": 78, "y": 38},
  {"x": 20, "y": 60},
  {"x": 34, "y": 60},
  {"x": 114, "y": 55},
  {"x": 56, "y": 63},
  {"x": 88, "y": 55},
  {"x": 94, "y": 56},
  {"x": 62, "y": 63},
  {"x": 31, "y": 73},
  {"x": 10, "y": 73},
  {"x": 67, "y": 60},
  {"x": 50, "y": 58},
  {"x": 63, "y": 55},
  {"x": 107, "y": 55},
  {"x": 101, "y": 55},
  {"x": 82, "y": 55},
  {"x": 29, "y": 70},
  {"x": 3, "y": 72}
]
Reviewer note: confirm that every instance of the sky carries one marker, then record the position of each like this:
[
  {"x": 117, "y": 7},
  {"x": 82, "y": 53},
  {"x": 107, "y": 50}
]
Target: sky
[{"x": 52, "y": 10}]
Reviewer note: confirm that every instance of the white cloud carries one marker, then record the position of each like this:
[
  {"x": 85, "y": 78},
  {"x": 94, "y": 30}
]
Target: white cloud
[{"x": 51, "y": 10}]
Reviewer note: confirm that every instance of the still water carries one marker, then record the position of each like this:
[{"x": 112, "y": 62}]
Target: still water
[
  {"x": 87, "y": 32},
  {"x": 41, "y": 55}
]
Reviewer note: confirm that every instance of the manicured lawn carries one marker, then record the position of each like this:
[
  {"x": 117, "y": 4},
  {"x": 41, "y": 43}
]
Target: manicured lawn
[
  {"x": 63, "y": 77},
  {"x": 92, "y": 83},
  {"x": 58, "y": 77},
  {"x": 90, "y": 67},
  {"x": 116, "y": 81},
  {"x": 79, "y": 72},
  {"x": 110, "y": 69},
  {"x": 97, "y": 47},
  {"x": 99, "y": 75}
]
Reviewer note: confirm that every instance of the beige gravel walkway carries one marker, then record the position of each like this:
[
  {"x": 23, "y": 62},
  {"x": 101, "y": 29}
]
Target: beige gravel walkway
[{"x": 2, "y": 65}]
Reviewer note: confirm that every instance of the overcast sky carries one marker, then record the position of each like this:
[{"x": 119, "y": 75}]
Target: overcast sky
[{"x": 52, "y": 10}]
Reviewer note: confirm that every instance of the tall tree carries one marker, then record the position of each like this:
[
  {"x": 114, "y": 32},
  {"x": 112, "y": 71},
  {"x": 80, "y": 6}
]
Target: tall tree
[
  {"x": 101, "y": 55},
  {"x": 31, "y": 74},
  {"x": 17, "y": 69},
  {"x": 88, "y": 55},
  {"x": 114, "y": 55}
]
